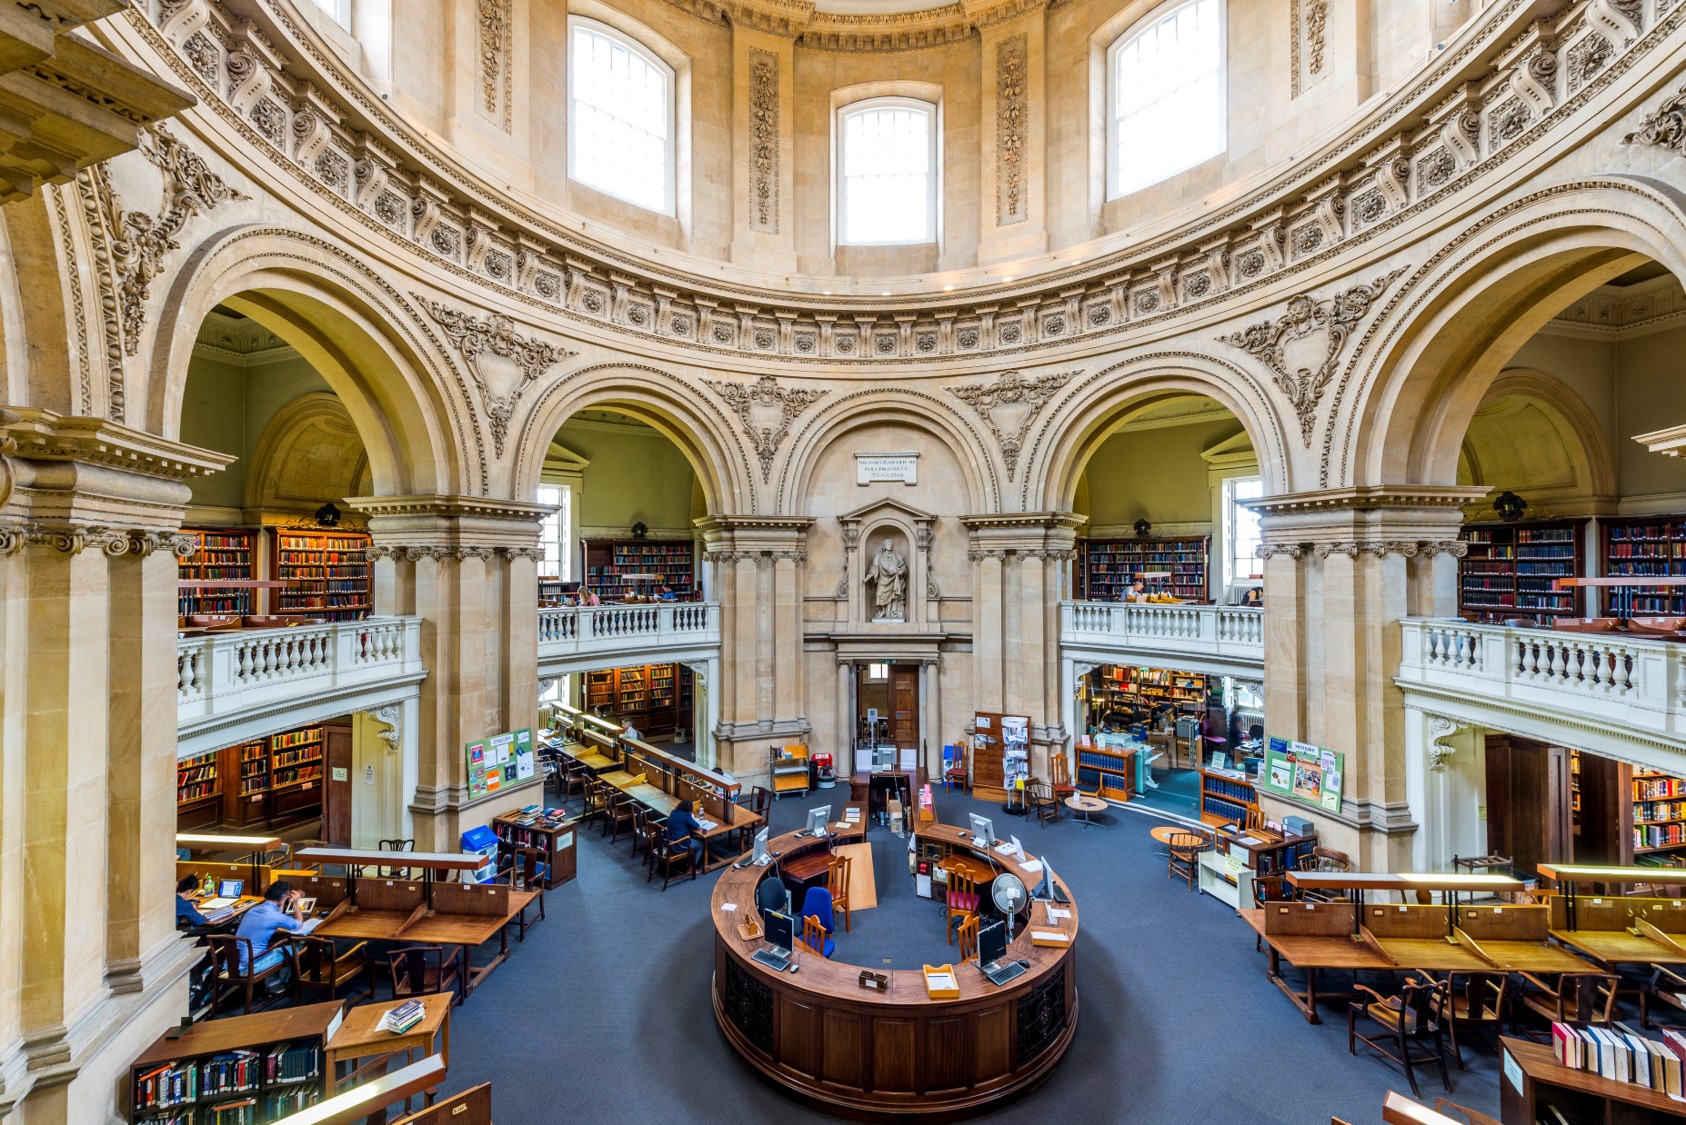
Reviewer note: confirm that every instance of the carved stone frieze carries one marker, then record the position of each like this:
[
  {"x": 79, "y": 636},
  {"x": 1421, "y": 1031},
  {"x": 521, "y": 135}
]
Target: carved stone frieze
[
  {"x": 1665, "y": 126},
  {"x": 1457, "y": 548},
  {"x": 1012, "y": 109},
  {"x": 494, "y": 21},
  {"x": 1308, "y": 27},
  {"x": 763, "y": 141},
  {"x": 495, "y": 335},
  {"x": 766, "y": 410},
  {"x": 1303, "y": 346},
  {"x": 1009, "y": 405},
  {"x": 1271, "y": 550}
]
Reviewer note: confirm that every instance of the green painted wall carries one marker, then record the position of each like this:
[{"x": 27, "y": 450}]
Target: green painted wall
[
  {"x": 1156, "y": 474},
  {"x": 635, "y": 475},
  {"x": 225, "y": 407}
]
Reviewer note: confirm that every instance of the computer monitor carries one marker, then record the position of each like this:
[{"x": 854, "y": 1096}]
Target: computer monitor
[
  {"x": 760, "y": 857},
  {"x": 992, "y": 943},
  {"x": 230, "y": 888},
  {"x": 781, "y": 932},
  {"x": 983, "y": 828},
  {"x": 883, "y": 758},
  {"x": 817, "y": 820}
]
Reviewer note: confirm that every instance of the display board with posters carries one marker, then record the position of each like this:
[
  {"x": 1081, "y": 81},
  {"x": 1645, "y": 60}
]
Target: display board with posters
[
  {"x": 1302, "y": 772},
  {"x": 499, "y": 761}
]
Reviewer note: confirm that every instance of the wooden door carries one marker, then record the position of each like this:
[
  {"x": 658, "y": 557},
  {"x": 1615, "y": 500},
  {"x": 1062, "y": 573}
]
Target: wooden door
[
  {"x": 1606, "y": 820},
  {"x": 1527, "y": 801},
  {"x": 336, "y": 784},
  {"x": 904, "y": 705}
]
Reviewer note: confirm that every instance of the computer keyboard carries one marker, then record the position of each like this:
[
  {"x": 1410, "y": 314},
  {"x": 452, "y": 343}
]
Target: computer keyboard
[
  {"x": 776, "y": 961},
  {"x": 1003, "y": 971}
]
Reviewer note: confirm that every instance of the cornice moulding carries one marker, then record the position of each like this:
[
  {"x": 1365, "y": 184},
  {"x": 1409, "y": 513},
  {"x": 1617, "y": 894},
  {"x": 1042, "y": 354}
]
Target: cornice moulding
[
  {"x": 439, "y": 506},
  {"x": 43, "y": 435},
  {"x": 1670, "y": 442},
  {"x": 1364, "y": 498}
]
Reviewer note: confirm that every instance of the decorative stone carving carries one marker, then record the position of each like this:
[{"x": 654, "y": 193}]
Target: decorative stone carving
[
  {"x": 1308, "y": 21},
  {"x": 1440, "y": 729},
  {"x": 1309, "y": 330},
  {"x": 766, "y": 411},
  {"x": 494, "y": 56},
  {"x": 8, "y": 450},
  {"x": 763, "y": 141},
  {"x": 496, "y": 335},
  {"x": 139, "y": 243},
  {"x": 887, "y": 575},
  {"x": 1665, "y": 126},
  {"x": 1457, "y": 548},
  {"x": 1012, "y": 105},
  {"x": 1271, "y": 550},
  {"x": 387, "y": 714},
  {"x": 1009, "y": 405}
]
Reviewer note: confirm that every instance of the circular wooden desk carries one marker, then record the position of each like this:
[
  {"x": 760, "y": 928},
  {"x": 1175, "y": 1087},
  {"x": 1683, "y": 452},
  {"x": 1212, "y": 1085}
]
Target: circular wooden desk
[
  {"x": 868, "y": 1054},
  {"x": 1164, "y": 832}
]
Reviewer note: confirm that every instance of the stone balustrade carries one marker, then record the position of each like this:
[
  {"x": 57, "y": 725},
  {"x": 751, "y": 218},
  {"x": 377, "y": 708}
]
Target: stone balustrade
[
  {"x": 1218, "y": 638},
  {"x": 627, "y": 634}
]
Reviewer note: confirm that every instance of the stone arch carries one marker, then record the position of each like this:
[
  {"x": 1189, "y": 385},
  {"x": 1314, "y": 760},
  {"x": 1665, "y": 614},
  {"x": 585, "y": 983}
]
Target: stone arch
[
  {"x": 675, "y": 407},
  {"x": 1400, "y": 410},
  {"x": 1585, "y": 456},
  {"x": 1094, "y": 407},
  {"x": 277, "y": 471},
  {"x": 360, "y": 335},
  {"x": 918, "y": 409}
]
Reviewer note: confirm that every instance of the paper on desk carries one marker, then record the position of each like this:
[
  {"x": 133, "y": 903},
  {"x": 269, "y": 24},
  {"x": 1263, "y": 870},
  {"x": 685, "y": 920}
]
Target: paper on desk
[
  {"x": 1032, "y": 866},
  {"x": 1004, "y": 849},
  {"x": 707, "y": 825},
  {"x": 851, "y": 814},
  {"x": 1047, "y": 935},
  {"x": 940, "y": 981},
  {"x": 728, "y": 906},
  {"x": 1056, "y": 915}
]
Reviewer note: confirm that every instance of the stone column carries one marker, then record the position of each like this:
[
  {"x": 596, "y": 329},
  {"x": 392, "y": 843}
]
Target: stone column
[
  {"x": 760, "y": 635},
  {"x": 1352, "y": 561},
  {"x": 466, "y": 566},
  {"x": 88, "y": 585}
]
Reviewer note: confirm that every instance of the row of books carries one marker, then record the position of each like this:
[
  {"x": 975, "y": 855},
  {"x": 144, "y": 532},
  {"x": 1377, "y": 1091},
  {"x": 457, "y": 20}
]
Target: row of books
[
  {"x": 1658, "y": 835},
  {"x": 296, "y": 757},
  {"x": 1659, "y": 810},
  {"x": 1619, "y": 1054},
  {"x": 1657, "y": 787},
  {"x": 300, "y": 737},
  {"x": 1230, "y": 810},
  {"x": 284, "y": 778},
  {"x": 196, "y": 603},
  {"x": 1240, "y": 790}
]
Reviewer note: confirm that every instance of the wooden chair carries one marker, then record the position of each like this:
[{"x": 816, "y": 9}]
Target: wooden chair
[
  {"x": 1184, "y": 849},
  {"x": 675, "y": 859},
  {"x": 969, "y": 937},
  {"x": 1063, "y": 785},
  {"x": 955, "y": 772},
  {"x": 760, "y": 800},
  {"x": 1474, "y": 1000},
  {"x": 620, "y": 816},
  {"x": 596, "y": 800},
  {"x": 837, "y": 882},
  {"x": 574, "y": 778},
  {"x": 227, "y": 979},
  {"x": 1327, "y": 860},
  {"x": 322, "y": 966},
  {"x": 1040, "y": 799},
  {"x": 1665, "y": 986},
  {"x": 396, "y": 845},
  {"x": 640, "y": 826},
  {"x": 1585, "y": 999},
  {"x": 814, "y": 939},
  {"x": 960, "y": 900},
  {"x": 1269, "y": 888},
  {"x": 655, "y": 829},
  {"x": 1415, "y": 1016},
  {"x": 421, "y": 970}
]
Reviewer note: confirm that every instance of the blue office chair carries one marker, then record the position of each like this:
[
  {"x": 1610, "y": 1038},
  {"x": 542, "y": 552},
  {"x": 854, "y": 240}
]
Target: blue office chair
[{"x": 816, "y": 904}]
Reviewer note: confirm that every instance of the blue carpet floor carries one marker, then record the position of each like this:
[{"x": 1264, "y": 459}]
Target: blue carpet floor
[
  {"x": 604, "y": 1013},
  {"x": 1178, "y": 793}
]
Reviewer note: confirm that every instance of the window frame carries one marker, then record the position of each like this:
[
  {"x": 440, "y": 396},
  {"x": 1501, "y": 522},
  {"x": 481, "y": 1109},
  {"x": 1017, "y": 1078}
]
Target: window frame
[
  {"x": 1110, "y": 119},
  {"x": 670, "y": 191},
  {"x": 1233, "y": 575},
  {"x": 933, "y": 176},
  {"x": 556, "y": 529}
]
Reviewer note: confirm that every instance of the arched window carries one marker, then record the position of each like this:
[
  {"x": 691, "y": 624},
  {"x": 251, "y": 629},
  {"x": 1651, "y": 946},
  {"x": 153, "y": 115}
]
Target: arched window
[
  {"x": 1165, "y": 96},
  {"x": 887, "y": 172},
  {"x": 620, "y": 116}
]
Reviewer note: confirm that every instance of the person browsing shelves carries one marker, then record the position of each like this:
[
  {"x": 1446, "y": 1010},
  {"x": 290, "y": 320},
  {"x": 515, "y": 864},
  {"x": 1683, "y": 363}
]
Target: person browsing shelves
[
  {"x": 682, "y": 825},
  {"x": 279, "y": 910},
  {"x": 187, "y": 913}
]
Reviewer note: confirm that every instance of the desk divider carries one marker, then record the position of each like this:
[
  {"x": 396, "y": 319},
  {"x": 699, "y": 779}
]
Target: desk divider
[
  {"x": 1309, "y": 919},
  {"x": 1666, "y": 914},
  {"x": 1394, "y": 921},
  {"x": 219, "y": 871},
  {"x": 389, "y": 894},
  {"x": 326, "y": 890},
  {"x": 1594, "y": 912},
  {"x": 1373, "y": 943},
  {"x": 1504, "y": 923},
  {"x": 1667, "y": 941},
  {"x": 1474, "y": 946},
  {"x": 487, "y": 900}
]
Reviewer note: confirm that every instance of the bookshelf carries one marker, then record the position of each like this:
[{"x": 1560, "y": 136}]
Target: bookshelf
[
  {"x": 1645, "y": 547},
  {"x": 668, "y": 561},
  {"x": 1226, "y": 797},
  {"x": 1509, "y": 568},
  {"x": 656, "y": 697},
  {"x": 1105, "y": 772},
  {"x": 1659, "y": 813},
  {"x": 240, "y": 1070},
  {"x": 222, "y": 554},
  {"x": 1107, "y": 564},
  {"x": 327, "y": 574},
  {"x": 198, "y": 792},
  {"x": 549, "y": 830},
  {"x": 1127, "y": 688},
  {"x": 295, "y": 774}
]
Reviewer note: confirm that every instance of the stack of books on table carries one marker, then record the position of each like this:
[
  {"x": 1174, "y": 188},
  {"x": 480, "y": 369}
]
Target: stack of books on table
[
  {"x": 1620, "y": 1055},
  {"x": 404, "y": 1017}
]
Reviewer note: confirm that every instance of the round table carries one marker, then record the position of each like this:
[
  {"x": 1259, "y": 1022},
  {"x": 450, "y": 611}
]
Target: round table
[
  {"x": 1164, "y": 832},
  {"x": 1085, "y": 804}
]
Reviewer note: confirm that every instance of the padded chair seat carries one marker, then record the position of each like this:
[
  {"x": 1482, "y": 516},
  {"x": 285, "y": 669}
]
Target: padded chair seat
[{"x": 963, "y": 901}]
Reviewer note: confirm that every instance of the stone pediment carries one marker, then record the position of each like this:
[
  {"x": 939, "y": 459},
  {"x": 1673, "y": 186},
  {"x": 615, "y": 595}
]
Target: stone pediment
[{"x": 867, "y": 511}]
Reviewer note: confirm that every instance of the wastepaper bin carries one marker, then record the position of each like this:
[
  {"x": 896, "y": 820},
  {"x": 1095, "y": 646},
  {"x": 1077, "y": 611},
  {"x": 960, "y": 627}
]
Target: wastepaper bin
[{"x": 823, "y": 769}]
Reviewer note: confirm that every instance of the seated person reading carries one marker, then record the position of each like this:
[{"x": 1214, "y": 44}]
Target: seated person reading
[
  {"x": 1137, "y": 591},
  {"x": 279, "y": 910},
  {"x": 682, "y": 825},
  {"x": 187, "y": 914}
]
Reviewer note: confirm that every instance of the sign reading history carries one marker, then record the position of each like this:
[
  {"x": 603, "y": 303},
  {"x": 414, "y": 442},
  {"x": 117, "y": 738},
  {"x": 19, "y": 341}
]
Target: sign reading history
[{"x": 871, "y": 467}]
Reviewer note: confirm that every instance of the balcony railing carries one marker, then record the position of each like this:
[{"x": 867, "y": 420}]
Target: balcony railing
[
  {"x": 1233, "y": 634},
  {"x": 633, "y": 630},
  {"x": 253, "y": 670},
  {"x": 1610, "y": 679}
]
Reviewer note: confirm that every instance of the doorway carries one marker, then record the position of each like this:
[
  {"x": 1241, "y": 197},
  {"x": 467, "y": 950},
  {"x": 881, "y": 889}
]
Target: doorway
[{"x": 887, "y": 704}]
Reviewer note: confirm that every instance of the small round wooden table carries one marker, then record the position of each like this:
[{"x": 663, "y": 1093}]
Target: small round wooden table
[{"x": 1085, "y": 804}]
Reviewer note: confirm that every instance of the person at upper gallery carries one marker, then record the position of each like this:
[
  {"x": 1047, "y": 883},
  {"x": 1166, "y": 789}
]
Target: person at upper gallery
[{"x": 1137, "y": 591}]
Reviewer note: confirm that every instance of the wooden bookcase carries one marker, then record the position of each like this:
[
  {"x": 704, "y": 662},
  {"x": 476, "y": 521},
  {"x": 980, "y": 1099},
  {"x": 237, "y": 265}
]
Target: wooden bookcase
[
  {"x": 1226, "y": 797},
  {"x": 1126, "y": 687},
  {"x": 608, "y": 561},
  {"x": 656, "y": 697},
  {"x": 1509, "y": 568},
  {"x": 223, "y": 553},
  {"x": 241, "y": 1070},
  {"x": 327, "y": 574},
  {"x": 1108, "y": 773},
  {"x": 1616, "y": 813},
  {"x": 1543, "y": 1084},
  {"x": 1645, "y": 547},
  {"x": 1106, "y": 566},
  {"x": 199, "y": 786},
  {"x": 296, "y": 774},
  {"x": 550, "y": 831},
  {"x": 271, "y": 781}
]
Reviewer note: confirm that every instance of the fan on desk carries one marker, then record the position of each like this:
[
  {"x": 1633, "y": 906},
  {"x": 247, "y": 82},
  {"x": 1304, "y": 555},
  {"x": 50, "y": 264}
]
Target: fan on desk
[{"x": 1009, "y": 895}]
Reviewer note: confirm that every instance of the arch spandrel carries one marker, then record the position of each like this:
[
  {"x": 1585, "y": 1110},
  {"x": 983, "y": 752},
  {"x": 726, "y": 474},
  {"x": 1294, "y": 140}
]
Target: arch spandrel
[
  {"x": 677, "y": 408},
  {"x": 1095, "y": 405},
  {"x": 359, "y": 334},
  {"x": 1401, "y": 407}
]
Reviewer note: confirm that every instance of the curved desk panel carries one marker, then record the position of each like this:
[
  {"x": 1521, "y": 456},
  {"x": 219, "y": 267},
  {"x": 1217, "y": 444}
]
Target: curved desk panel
[{"x": 868, "y": 1054}]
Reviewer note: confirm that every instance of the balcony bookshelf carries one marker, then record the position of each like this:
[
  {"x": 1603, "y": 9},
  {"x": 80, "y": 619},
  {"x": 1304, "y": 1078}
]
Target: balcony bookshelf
[
  {"x": 1645, "y": 547},
  {"x": 1107, "y": 565},
  {"x": 222, "y": 554},
  {"x": 610, "y": 563},
  {"x": 1509, "y": 569},
  {"x": 326, "y": 572},
  {"x": 656, "y": 697}
]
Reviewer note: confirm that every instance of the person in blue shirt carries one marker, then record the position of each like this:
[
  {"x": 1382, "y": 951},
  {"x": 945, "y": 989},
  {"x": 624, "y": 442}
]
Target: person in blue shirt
[
  {"x": 681, "y": 825},
  {"x": 279, "y": 910},
  {"x": 187, "y": 914}
]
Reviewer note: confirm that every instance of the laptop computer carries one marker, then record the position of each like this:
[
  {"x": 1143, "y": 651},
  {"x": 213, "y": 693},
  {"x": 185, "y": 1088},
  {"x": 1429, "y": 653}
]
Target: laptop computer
[{"x": 228, "y": 893}]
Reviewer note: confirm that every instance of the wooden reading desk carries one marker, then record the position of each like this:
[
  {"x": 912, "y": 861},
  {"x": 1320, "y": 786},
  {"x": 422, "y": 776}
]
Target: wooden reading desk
[
  {"x": 361, "y": 1036},
  {"x": 255, "y": 846},
  {"x": 1616, "y": 929},
  {"x": 430, "y": 863},
  {"x": 730, "y": 820}
]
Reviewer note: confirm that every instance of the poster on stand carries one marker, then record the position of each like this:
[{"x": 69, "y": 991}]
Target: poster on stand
[
  {"x": 499, "y": 761},
  {"x": 1299, "y": 771}
]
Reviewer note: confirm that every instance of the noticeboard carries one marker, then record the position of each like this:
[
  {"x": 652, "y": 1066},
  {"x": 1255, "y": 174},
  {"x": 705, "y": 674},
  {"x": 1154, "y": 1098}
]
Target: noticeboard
[
  {"x": 499, "y": 761},
  {"x": 1299, "y": 771}
]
